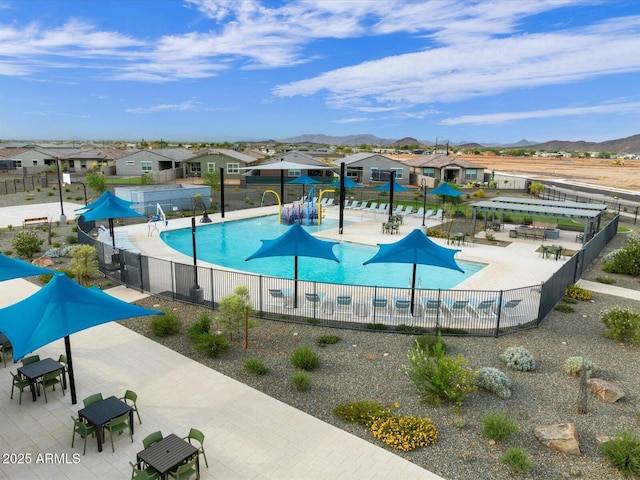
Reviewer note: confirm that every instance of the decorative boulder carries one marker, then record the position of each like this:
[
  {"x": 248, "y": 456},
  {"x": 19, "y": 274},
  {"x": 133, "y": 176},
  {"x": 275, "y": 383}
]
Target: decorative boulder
[
  {"x": 561, "y": 437},
  {"x": 42, "y": 261},
  {"x": 607, "y": 391}
]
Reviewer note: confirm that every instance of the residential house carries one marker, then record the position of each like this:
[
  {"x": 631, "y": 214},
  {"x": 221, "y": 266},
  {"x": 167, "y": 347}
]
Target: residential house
[
  {"x": 307, "y": 164},
  {"x": 431, "y": 170},
  {"x": 373, "y": 168},
  {"x": 152, "y": 161},
  {"x": 213, "y": 159}
]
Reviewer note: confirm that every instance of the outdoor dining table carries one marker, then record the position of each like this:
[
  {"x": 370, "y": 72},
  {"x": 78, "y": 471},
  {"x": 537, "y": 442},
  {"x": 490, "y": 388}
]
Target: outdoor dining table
[
  {"x": 456, "y": 237},
  {"x": 555, "y": 250},
  {"x": 167, "y": 454},
  {"x": 98, "y": 414},
  {"x": 35, "y": 370}
]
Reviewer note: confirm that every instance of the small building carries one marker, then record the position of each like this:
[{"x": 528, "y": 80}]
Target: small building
[
  {"x": 304, "y": 164},
  {"x": 212, "y": 159},
  {"x": 434, "y": 169},
  {"x": 373, "y": 168},
  {"x": 171, "y": 198}
]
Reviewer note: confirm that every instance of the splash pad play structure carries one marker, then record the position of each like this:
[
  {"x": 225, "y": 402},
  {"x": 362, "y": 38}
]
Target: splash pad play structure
[{"x": 306, "y": 212}]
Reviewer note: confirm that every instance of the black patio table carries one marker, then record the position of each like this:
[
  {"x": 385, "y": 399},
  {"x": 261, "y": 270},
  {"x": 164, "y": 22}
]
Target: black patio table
[
  {"x": 167, "y": 454},
  {"x": 35, "y": 370},
  {"x": 98, "y": 414}
]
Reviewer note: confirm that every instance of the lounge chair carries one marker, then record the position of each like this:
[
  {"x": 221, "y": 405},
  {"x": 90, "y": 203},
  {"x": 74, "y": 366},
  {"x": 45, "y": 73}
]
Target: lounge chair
[
  {"x": 432, "y": 310},
  {"x": 483, "y": 309},
  {"x": 323, "y": 202},
  {"x": 354, "y": 205},
  {"x": 438, "y": 215},
  {"x": 344, "y": 304},
  {"x": 511, "y": 309},
  {"x": 458, "y": 309},
  {"x": 372, "y": 207},
  {"x": 280, "y": 297},
  {"x": 379, "y": 308},
  {"x": 418, "y": 213},
  {"x": 382, "y": 208},
  {"x": 398, "y": 210},
  {"x": 330, "y": 203},
  {"x": 402, "y": 309},
  {"x": 362, "y": 206},
  {"x": 313, "y": 301},
  {"x": 428, "y": 213},
  {"x": 407, "y": 210}
]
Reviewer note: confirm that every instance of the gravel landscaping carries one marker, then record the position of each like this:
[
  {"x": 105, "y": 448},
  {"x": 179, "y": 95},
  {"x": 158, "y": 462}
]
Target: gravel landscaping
[{"x": 368, "y": 365}]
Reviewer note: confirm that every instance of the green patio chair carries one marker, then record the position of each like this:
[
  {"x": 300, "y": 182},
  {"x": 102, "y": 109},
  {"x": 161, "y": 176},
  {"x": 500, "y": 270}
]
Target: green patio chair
[
  {"x": 5, "y": 349},
  {"x": 138, "y": 473},
  {"x": 20, "y": 383},
  {"x": 63, "y": 360},
  {"x": 50, "y": 380},
  {"x": 131, "y": 396},
  {"x": 151, "y": 439},
  {"x": 84, "y": 430},
  {"x": 119, "y": 425},
  {"x": 198, "y": 436},
  {"x": 91, "y": 399},
  {"x": 186, "y": 470},
  {"x": 31, "y": 359}
]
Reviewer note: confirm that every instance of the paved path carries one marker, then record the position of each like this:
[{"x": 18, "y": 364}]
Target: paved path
[{"x": 610, "y": 289}]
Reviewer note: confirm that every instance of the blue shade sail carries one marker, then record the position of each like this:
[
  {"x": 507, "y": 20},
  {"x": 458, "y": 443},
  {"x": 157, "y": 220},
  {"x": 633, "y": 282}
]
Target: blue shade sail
[
  {"x": 348, "y": 183},
  {"x": 11, "y": 268},
  {"x": 446, "y": 190},
  {"x": 396, "y": 187}
]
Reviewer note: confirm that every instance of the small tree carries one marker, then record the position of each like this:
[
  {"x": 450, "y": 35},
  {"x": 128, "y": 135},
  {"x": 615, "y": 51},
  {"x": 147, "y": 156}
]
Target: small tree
[
  {"x": 84, "y": 263},
  {"x": 232, "y": 309},
  {"x": 27, "y": 244},
  {"x": 97, "y": 181},
  {"x": 146, "y": 179},
  {"x": 536, "y": 189},
  {"x": 212, "y": 179}
]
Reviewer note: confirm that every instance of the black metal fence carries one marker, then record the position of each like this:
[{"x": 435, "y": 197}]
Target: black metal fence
[{"x": 451, "y": 312}]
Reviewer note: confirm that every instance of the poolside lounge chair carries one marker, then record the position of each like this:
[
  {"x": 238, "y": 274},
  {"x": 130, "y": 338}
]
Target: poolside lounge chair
[
  {"x": 324, "y": 201},
  {"x": 382, "y": 208},
  {"x": 330, "y": 203},
  {"x": 407, "y": 210},
  {"x": 438, "y": 215},
  {"x": 354, "y": 205},
  {"x": 372, "y": 207},
  {"x": 484, "y": 309},
  {"x": 398, "y": 210},
  {"x": 280, "y": 297},
  {"x": 344, "y": 304},
  {"x": 314, "y": 301},
  {"x": 379, "y": 308},
  {"x": 511, "y": 309},
  {"x": 418, "y": 213},
  {"x": 428, "y": 213},
  {"x": 432, "y": 310},
  {"x": 362, "y": 206},
  {"x": 458, "y": 309},
  {"x": 402, "y": 309}
]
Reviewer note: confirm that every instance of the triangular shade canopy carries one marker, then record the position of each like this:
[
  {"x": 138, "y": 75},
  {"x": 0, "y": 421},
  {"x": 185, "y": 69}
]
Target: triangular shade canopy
[
  {"x": 396, "y": 187},
  {"x": 111, "y": 207},
  {"x": 61, "y": 308},
  {"x": 296, "y": 242},
  {"x": 304, "y": 179},
  {"x": 106, "y": 195},
  {"x": 348, "y": 183},
  {"x": 11, "y": 268},
  {"x": 446, "y": 190}
]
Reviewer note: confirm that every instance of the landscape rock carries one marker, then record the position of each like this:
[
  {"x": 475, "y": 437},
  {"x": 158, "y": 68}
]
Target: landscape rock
[
  {"x": 43, "y": 261},
  {"x": 561, "y": 437},
  {"x": 607, "y": 391}
]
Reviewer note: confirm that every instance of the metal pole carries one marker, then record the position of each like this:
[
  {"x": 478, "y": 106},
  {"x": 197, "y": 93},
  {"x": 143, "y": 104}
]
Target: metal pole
[
  {"x": 423, "y": 184},
  {"x": 221, "y": 192},
  {"x": 63, "y": 217}
]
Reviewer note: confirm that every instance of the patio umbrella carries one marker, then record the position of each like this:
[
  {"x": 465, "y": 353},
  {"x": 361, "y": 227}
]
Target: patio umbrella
[
  {"x": 303, "y": 180},
  {"x": 416, "y": 248},
  {"x": 57, "y": 310},
  {"x": 110, "y": 208},
  {"x": 348, "y": 183},
  {"x": 387, "y": 186},
  {"x": 11, "y": 268},
  {"x": 296, "y": 242},
  {"x": 445, "y": 190},
  {"x": 105, "y": 195}
]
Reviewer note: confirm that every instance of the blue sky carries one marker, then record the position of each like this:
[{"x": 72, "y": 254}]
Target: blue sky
[{"x": 187, "y": 70}]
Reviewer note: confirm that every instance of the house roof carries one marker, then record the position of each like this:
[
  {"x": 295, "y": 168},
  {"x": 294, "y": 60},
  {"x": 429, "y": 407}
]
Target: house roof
[
  {"x": 297, "y": 158},
  {"x": 233, "y": 154},
  {"x": 361, "y": 156},
  {"x": 178, "y": 154},
  {"x": 439, "y": 161}
]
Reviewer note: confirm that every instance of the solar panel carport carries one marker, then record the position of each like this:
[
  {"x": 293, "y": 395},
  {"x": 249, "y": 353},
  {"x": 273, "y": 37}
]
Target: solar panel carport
[{"x": 589, "y": 214}]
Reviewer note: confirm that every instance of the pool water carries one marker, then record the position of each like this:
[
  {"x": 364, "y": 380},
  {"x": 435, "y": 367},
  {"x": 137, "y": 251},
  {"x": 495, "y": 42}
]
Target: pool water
[{"x": 228, "y": 244}]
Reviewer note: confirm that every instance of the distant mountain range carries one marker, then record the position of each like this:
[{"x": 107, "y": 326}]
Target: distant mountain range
[{"x": 622, "y": 145}]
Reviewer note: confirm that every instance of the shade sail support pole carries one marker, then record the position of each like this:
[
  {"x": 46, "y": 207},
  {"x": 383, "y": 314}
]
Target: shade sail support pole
[{"x": 72, "y": 380}]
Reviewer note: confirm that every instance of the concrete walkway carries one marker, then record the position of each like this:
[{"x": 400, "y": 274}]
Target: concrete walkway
[{"x": 248, "y": 434}]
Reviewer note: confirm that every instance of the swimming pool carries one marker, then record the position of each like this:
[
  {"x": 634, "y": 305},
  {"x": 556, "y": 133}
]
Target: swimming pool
[{"x": 228, "y": 244}]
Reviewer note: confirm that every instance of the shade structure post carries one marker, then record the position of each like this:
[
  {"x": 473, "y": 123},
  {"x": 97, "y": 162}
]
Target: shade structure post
[
  {"x": 295, "y": 282},
  {"x": 196, "y": 293},
  {"x": 221, "y": 192},
  {"x": 423, "y": 185},
  {"x": 72, "y": 380},
  {"x": 413, "y": 286},
  {"x": 342, "y": 195},
  {"x": 391, "y": 182}
]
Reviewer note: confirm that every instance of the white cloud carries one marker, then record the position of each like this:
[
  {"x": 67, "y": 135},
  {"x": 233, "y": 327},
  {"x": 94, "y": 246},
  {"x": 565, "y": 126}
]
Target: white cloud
[
  {"x": 184, "y": 106},
  {"x": 494, "y": 118}
]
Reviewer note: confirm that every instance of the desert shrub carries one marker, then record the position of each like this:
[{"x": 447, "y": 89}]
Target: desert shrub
[
  {"x": 518, "y": 358},
  {"x": 563, "y": 307},
  {"x": 364, "y": 412},
  {"x": 84, "y": 263},
  {"x": 434, "y": 232},
  {"x": 200, "y": 326},
  {"x": 480, "y": 193},
  {"x": 27, "y": 244},
  {"x": 569, "y": 300},
  {"x": 212, "y": 344},
  {"x": 305, "y": 358},
  {"x": 405, "y": 433},
  {"x": 325, "y": 340},
  {"x": 606, "y": 280},
  {"x": 71, "y": 239},
  {"x": 427, "y": 342},
  {"x": 579, "y": 293},
  {"x": 624, "y": 260},
  {"x": 256, "y": 366},
  {"x": 301, "y": 380},
  {"x": 490, "y": 236},
  {"x": 495, "y": 381},
  {"x": 57, "y": 252},
  {"x": 517, "y": 460},
  {"x": 56, "y": 244},
  {"x": 622, "y": 324},
  {"x": 165, "y": 325},
  {"x": 623, "y": 452},
  {"x": 439, "y": 377},
  {"x": 232, "y": 309},
  {"x": 498, "y": 426},
  {"x": 573, "y": 366}
]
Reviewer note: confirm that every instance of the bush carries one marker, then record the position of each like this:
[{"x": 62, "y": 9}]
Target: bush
[
  {"x": 439, "y": 378},
  {"x": 84, "y": 263},
  {"x": 71, "y": 239},
  {"x": 256, "y": 366},
  {"x": 325, "y": 340},
  {"x": 200, "y": 326},
  {"x": 27, "y": 244},
  {"x": 579, "y": 293},
  {"x": 405, "y": 433},
  {"x": 625, "y": 260},
  {"x": 301, "y": 380},
  {"x": 212, "y": 344},
  {"x": 622, "y": 325},
  {"x": 427, "y": 342},
  {"x": 517, "y": 460},
  {"x": 606, "y": 280},
  {"x": 573, "y": 366},
  {"x": 362, "y": 413},
  {"x": 623, "y": 452},
  {"x": 563, "y": 307},
  {"x": 165, "y": 325},
  {"x": 305, "y": 358},
  {"x": 494, "y": 381},
  {"x": 518, "y": 358},
  {"x": 498, "y": 426}
]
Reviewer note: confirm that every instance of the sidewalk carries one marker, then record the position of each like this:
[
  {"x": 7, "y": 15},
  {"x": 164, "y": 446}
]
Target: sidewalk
[{"x": 610, "y": 289}]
